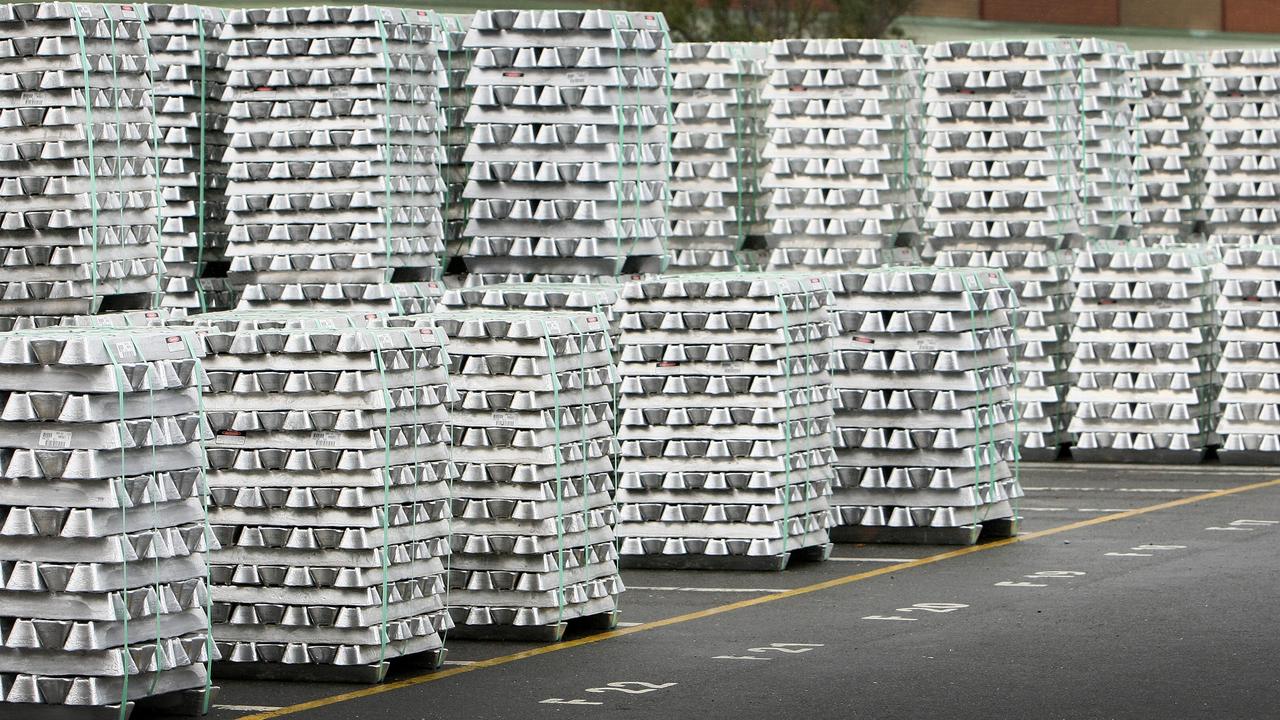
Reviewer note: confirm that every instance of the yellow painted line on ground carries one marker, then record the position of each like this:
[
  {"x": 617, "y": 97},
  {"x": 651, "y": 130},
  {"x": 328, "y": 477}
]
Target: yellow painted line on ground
[{"x": 743, "y": 604}]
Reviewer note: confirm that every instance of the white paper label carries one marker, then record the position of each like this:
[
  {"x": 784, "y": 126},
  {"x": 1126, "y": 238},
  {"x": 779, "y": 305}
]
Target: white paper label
[
  {"x": 325, "y": 439},
  {"x": 55, "y": 439}
]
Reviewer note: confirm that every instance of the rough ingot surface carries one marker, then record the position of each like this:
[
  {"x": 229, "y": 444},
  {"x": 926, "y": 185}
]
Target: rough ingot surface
[
  {"x": 1002, "y": 144},
  {"x": 80, "y": 154},
  {"x": 924, "y": 396},
  {"x": 1171, "y": 163},
  {"x": 568, "y": 148},
  {"x": 103, "y": 542},
  {"x": 190, "y": 55},
  {"x": 455, "y": 98},
  {"x": 1042, "y": 321},
  {"x": 1145, "y": 366},
  {"x": 1110, "y": 90},
  {"x": 717, "y": 203},
  {"x": 329, "y": 473},
  {"x": 1239, "y": 126},
  {"x": 843, "y": 124},
  {"x": 334, "y": 144},
  {"x": 726, "y": 426},
  {"x": 534, "y": 441}
]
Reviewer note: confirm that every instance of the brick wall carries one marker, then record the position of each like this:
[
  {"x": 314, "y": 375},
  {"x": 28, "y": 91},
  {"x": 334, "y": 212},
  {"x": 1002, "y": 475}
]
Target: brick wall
[
  {"x": 1064, "y": 12},
  {"x": 1257, "y": 16}
]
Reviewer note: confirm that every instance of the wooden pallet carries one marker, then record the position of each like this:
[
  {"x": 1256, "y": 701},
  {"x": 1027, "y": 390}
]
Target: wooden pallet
[
  {"x": 1141, "y": 457},
  {"x": 551, "y": 633},
  {"x": 1247, "y": 457},
  {"x": 994, "y": 529},
  {"x": 181, "y": 703},
  {"x": 1049, "y": 454},
  {"x": 357, "y": 674},
  {"x": 754, "y": 563}
]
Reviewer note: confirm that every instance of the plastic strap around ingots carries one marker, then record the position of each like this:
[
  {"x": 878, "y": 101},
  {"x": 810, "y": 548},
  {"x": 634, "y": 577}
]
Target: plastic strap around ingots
[
  {"x": 786, "y": 465},
  {"x": 582, "y": 439},
  {"x": 202, "y": 487},
  {"x": 201, "y": 179},
  {"x": 556, "y": 454},
  {"x": 122, "y": 496},
  {"x": 448, "y": 464},
  {"x": 387, "y": 211},
  {"x": 144, "y": 36},
  {"x": 1014, "y": 384},
  {"x": 668, "y": 120},
  {"x": 93, "y": 160},
  {"x": 969, "y": 278},
  {"x": 619, "y": 261},
  {"x": 738, "y": 57},
  {"x": 807, "y": 488},
  {"x": 115, "y": 94},
  {"x": 375, "y": 340}
]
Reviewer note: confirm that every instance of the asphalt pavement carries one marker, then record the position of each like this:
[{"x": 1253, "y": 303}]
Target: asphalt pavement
[{"x": 1133, "y": 592}]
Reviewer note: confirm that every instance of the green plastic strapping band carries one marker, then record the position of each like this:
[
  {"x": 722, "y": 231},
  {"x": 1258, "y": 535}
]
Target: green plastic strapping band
[
  {"x": 387, "y": 211},
  {"x": 93, "y": 158},
  {"x": 202, "y": 487},
  {"x": 155, "y": 509},
  {"x": 619, "y": 187},
  {"x": 965, "y": 277},
  {"x": 668, "y": 121},
  {"x": 549, "y": 347},
  {"x": 415, "y": 358},
  {"x": 786, "y": 465},
  {"x": 449, "y": 470},
  {"x": 376, "y": 340},
  {"x": 583, "y": 441},
  {"x": 119, "y": 129},
  {"x": 1010, "y": 304},
  {"x": 202, "y": 178},
  {"x": 740, "y": 147},
  {"x": 145, "y": 40},
  {"x": 122, "y": 497}
]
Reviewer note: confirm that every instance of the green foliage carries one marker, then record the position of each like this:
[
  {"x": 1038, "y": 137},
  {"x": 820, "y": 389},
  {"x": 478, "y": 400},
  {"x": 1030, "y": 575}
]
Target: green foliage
[{"x": 757, "y": 20}]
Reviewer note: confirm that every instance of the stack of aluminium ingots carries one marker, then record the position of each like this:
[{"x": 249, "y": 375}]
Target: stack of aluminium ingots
[
  {"x": 533, "y": 529},
  {"x": 1248, "y": 310},
  {"x": 455, "y": 98},
  {"x": 568, "y": 153},
  {"x": 79, "y": 198},
  {"x": 726, "y": 420},
  {"x": 719, "y": 111},
  {"x": 1109, "y": 90},
  {"x": 1002, "y": 145},
  {"x": 103, "y": 536},
  {"x": 329, "y": 474},
  {"x": 925, "y": 419},
  {"x": 188, "y": 83},
  {"x": 1170, "y": 163},
  {"x": 334, "y": 186},
  {"x": 1144, "y": 372},
  {"x": 842, "y": 170},
  {"x": 596, "y": 297},
  {"x": 1242, "y": 128}
]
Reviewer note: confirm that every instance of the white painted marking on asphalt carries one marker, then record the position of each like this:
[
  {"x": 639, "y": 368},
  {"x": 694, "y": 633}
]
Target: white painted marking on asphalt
[
  {"x": 673, "y": 588},
  {"x": 628, "y": 624},
  {"x": 459, "y": 662},
  {"x": 871, "y": 559},
  {"x": 246, "y": 708},
  {"x": 1059, "y": 488},
  {"x": 1044, "y": 509}
]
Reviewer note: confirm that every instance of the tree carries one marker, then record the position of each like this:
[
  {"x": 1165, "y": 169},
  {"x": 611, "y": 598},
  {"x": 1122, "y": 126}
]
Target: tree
[{"x": 757, "y": 20}]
